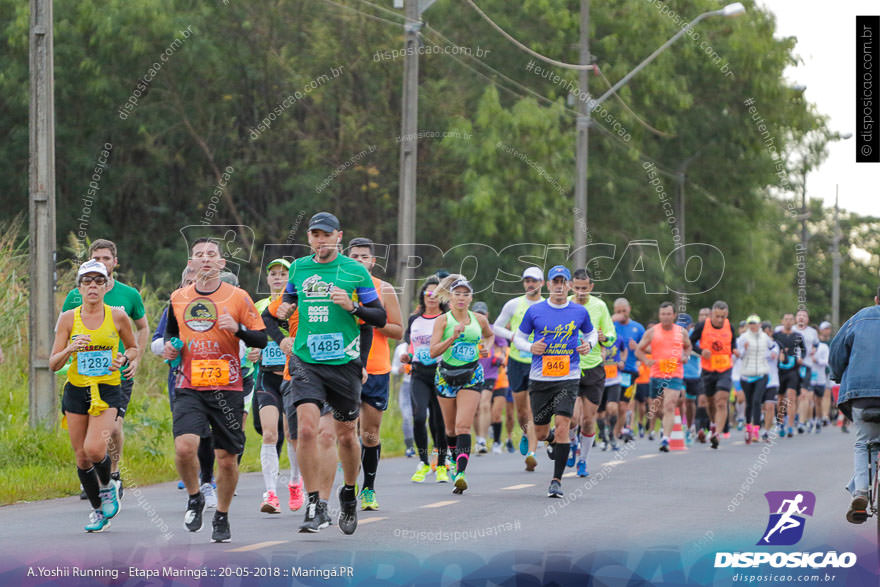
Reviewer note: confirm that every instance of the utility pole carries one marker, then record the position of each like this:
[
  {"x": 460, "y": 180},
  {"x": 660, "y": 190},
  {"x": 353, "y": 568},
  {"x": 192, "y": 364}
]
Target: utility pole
[
  {"x": 835, "y": 267},
  {"x": 582, "y": 153},
  {"x": 406, "y": 214},
  {"x": 681, "y": 298},
  {"x": 41, "y": 222}
]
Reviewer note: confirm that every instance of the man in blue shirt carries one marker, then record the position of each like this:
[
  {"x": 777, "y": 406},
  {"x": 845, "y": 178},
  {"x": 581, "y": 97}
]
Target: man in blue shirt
[
  {"x": 555, "y": 370},
  {"x": 630, "y": 332}
]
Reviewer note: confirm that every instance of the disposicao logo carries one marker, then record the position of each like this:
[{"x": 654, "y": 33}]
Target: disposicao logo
[
  {"x": 787, "y": 511},
  {"x": 785, "y": 528}
]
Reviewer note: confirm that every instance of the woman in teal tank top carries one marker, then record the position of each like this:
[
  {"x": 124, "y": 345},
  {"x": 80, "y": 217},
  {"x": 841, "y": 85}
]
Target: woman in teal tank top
[{"x": 460, "y": 338}]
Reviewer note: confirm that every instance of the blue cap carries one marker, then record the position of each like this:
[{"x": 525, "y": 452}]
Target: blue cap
[
  {"x": 684, "y": 320},
  {"x": 558, "y": 270}
]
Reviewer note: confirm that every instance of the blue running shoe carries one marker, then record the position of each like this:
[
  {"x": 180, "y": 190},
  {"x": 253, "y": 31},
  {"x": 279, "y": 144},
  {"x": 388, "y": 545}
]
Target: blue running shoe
[
  {"x": 523, "y": 445},
  {"x": 180, "y": 485},
  {"x": 572, "y": 455},
  {"x": 97, "y": 522},
  {"x": 109, "y": 500},
  {"x": 790, "y": 431},
  {"x": 582, "y": 469}
]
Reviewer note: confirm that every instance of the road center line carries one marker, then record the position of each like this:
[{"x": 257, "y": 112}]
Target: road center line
[
  {"x": 648, "y": 456},
  {"x": 362, "y": 521},
  {"x": 438, "y": 504},
  {"x": 257, "y": 546},
  {"x": 520, "y": 486}
]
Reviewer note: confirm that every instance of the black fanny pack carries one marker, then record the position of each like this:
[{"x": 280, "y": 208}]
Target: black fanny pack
[{"x": 457, "y": 376}]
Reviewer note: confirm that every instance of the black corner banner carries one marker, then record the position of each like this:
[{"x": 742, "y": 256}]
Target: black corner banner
[{"x": 867, "y": 77}]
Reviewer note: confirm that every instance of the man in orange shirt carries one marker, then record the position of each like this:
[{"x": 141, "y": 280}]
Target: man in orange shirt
[
  {"x": 210, "y": 317},
  {"x": 669, "y": 347},
  {"x": 374, "y": 393}
]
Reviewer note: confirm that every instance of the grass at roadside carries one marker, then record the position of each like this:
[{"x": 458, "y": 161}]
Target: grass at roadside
[{"x": 38, "y": 463}]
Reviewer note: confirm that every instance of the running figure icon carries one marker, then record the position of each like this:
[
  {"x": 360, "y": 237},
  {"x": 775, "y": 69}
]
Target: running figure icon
[
  {"x": 787, "y": 516},
  {"x": 787, "y": 522}
]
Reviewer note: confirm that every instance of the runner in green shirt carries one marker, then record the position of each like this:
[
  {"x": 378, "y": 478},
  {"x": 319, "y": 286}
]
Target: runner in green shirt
[
  {"x": 330, "y": 350},
  {"x": 592, "y": 382}
]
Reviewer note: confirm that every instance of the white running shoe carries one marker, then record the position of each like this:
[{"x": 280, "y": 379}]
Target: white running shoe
[{"x": 210, "y": 495}]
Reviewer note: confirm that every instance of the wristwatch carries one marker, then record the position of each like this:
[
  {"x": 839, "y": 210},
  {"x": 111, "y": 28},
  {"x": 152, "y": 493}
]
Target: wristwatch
[{"x": 354, "y": 308}]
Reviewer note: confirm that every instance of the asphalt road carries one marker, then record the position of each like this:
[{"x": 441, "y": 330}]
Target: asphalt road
[{"x": 681, "y": 507}]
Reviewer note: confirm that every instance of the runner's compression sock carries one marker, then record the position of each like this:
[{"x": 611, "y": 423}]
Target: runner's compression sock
[
  {"x": 496, "y": 432},
  {"x": 370, "y": 464},
  {"x": 463, "y": 451},
  {"x": 551, "y": 437},
  {"x": 560, "y": 458},
  {"x": 740, "y": 410},
  {"x": 102, "y": 469},
  {"x": 612, "y": 424},
  {"x": 294, "y": 464},
  {"x": 600, "y": 422},
  {"x": 586, "y": 445},
  {"x": 89, "y": 479},
  {"x": 269, "y": 463}
]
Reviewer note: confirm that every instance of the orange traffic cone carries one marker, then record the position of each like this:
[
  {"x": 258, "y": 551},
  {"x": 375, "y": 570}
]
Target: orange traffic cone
[{"x": 676, "y": 440}]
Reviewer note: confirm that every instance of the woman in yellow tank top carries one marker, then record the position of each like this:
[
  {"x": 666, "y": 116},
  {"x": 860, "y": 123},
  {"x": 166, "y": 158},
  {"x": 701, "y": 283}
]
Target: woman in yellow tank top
[{"x": 92, "y": 394}]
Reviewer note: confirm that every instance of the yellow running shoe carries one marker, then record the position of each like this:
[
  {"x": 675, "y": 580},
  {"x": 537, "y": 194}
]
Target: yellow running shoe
[
  {"x": 368, "y": 500},
  {"x": 442, "y": 474},
  {"x": 419, "y": 475}
]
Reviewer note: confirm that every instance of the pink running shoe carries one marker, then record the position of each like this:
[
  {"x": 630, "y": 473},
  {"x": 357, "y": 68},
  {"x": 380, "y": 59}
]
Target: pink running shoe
[
  {"x": 270, "y": 504},
  {"x": 296, "y": 495}
]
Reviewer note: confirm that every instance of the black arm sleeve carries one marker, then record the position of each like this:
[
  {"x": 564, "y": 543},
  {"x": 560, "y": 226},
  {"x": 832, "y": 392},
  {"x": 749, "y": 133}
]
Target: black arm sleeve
[
  {"x": 253, "y": 338},
  {"x": 273, "y": 328},
  {"x": 366, "y": 342},
  {"x": 372, "y": 313},
  {"x": 733, "y": 336},
  {"x": 289, "y": 298},
  {"x": 695, "y": 337},
  {"x": 172, "y": 328}
]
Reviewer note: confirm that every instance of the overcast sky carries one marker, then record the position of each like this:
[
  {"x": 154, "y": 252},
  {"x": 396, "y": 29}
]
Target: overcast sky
[{"x": 825, "y": 33}]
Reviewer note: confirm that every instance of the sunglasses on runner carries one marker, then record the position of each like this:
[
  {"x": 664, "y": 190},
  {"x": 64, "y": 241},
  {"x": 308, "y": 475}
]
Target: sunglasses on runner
[{"x": 98, "y": 279}]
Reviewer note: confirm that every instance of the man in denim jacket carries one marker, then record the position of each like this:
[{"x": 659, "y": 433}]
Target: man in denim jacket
[{"x": 853, "y": 362}]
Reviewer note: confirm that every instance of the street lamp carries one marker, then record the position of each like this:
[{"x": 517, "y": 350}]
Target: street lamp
[{"x": 584, "y": 121}]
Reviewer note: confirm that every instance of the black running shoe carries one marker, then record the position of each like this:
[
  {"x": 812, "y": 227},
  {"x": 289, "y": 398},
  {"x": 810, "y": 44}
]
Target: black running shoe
[
  {"x": 221, "y": 528},
  {"x": 555, "y": 489},
  {"x": 192, "y": 519},
  {"x": 348, "y": 520},
  {"x": 317, "y": 517}
]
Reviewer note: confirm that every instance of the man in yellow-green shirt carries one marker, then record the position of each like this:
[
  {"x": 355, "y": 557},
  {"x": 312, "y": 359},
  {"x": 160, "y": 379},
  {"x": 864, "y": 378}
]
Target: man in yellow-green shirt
[{"x": 592, "y": 382}]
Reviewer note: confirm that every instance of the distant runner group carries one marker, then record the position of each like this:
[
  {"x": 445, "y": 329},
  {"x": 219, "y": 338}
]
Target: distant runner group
[{"x": 312, "y": 364}]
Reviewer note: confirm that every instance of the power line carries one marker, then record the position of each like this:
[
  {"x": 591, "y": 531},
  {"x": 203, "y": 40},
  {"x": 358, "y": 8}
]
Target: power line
[
  {"x": 524, "y": 47},
  {"x": 636, "y": 116},
  {"x": 368, "y": 15},
  {"x": 542, "y": 98},
  {"x": 383, "y": 9}
]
